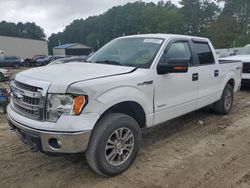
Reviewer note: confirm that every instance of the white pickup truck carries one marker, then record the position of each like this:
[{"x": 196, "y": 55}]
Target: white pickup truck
[
  {"x": 131, "y": 83},
  {"x": 243, "y": 55}
]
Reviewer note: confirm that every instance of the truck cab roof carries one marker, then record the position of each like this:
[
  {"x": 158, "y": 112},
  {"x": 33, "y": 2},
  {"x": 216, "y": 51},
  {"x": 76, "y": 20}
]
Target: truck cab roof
[{"x": 164, "y": 36}]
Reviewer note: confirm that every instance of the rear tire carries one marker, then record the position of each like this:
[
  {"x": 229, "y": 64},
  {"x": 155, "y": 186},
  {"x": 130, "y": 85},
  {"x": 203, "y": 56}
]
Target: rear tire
[
  {"x": 114, "y": 144},
  {"x": 225, "y": 104}
]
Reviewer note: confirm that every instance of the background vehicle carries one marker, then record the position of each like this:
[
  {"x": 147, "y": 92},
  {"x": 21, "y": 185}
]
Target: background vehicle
[
  {"x": 32, "y": 62},
  {"x": 243, "y": 55},
  {"x": 68, "y": 60},
  {"x": 4, "y": 74},
  {"x": 10, "y": 61},
  {"x": 42, "y": 60},
  {"x": 47, "y": 60},
  {"x": 131, "y": 83}
]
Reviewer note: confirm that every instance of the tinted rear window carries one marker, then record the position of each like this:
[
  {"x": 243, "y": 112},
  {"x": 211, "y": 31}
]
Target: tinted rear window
[{"x": 204, "y": 53}]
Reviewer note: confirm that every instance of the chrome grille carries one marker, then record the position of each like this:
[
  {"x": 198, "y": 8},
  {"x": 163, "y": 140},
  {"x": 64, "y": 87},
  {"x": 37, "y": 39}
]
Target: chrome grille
[
  {"x": 26, "y": 86},
  {"x": 26, "y": 111},
  {"x": 27, "y": 100},
  {"x": 30, "y": 100},
  {"x": 246, "y": 67}
]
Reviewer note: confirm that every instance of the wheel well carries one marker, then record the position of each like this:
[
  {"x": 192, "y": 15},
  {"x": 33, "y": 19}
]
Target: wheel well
[
  {"x": 130, "y": 108},
  {"x": 231, "y": 82}
]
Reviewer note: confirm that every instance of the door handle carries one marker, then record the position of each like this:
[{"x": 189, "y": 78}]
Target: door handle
[
  {"x": 195, "y": 77},
  {"x": 216, "y": 73}
]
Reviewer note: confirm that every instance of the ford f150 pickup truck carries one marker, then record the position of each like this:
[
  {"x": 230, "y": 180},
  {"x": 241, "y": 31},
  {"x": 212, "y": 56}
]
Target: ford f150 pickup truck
[
  {"x": 243, "y": 55},
  {"x": 131, "y": 83}
]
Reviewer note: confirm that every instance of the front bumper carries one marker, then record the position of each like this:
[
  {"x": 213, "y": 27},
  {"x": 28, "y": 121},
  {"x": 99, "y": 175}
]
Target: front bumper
[{"x": 50, "y": 141}]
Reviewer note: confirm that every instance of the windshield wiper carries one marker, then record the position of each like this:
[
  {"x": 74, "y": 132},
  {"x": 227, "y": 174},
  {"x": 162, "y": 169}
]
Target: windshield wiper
[{"x": 110, "y": 62}]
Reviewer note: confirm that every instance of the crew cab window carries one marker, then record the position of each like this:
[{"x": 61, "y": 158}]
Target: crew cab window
[
  {"x": 205, "y": 54},
  {"x": 178, "y": 50}
]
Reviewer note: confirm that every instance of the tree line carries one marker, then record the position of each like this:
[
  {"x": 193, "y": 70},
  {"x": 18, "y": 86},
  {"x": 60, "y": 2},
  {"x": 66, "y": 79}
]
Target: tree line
[
  {"x": 225, "y": 22},
  {"x": 24, "y": 30}
]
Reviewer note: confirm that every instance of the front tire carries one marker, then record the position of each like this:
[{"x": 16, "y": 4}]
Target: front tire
[
  {"x": 114, "y": 144},
  {"x": 225, "y": 104}
]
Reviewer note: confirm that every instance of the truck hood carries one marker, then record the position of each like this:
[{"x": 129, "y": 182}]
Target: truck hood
[
  {"x": 62, "y": 75},
  {"x": 243, "y": 58}
]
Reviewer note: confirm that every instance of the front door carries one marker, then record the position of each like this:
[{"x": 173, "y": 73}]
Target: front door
[{"x": 175, "y": 93}]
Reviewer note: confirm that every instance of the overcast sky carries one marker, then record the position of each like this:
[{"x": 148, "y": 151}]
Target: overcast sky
[{"x": 54, "y": 15}]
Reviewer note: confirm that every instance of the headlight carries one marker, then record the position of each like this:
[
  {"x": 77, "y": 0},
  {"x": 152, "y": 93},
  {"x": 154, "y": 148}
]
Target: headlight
[{"x": 63, "y": 104}]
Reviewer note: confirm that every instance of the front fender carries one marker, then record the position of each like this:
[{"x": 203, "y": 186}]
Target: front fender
[
  {"x": 106, "y": 92},
  {"x": 126, "y": 93}
]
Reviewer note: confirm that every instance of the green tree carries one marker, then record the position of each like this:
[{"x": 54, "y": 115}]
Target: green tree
[
  {"x": 132, "y": 18},
  {"x": 238, "y": 12},
  {"x": 222, "y": 32},
  {"x": 26, "y": 30},
  {"x": 198, "y": 15}
]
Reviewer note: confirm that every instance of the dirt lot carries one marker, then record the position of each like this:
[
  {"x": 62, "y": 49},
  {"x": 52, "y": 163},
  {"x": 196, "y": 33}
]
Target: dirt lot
[{"x": 200, "y": 149}]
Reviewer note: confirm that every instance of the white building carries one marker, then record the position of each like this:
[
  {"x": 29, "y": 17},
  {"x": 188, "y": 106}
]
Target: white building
[{"x": 21, "y": 47}]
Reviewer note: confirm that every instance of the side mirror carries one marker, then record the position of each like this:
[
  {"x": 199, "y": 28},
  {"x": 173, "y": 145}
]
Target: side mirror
[{"x": 173, "y": 66}]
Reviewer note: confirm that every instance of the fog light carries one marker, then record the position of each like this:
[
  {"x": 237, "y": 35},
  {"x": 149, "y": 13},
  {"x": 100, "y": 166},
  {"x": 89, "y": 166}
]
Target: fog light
[{"x": 55, "y": 143}]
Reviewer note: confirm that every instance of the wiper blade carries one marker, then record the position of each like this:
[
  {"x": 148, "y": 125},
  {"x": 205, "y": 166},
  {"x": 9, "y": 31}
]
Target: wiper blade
[{"x": 110, "y": 62}]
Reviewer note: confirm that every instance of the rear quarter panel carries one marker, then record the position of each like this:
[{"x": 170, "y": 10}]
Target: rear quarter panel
[{"x": 231, "y": 70}]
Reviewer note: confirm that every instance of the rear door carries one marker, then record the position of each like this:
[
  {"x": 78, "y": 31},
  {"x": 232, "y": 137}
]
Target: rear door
[{"x": 208, "y": 73}]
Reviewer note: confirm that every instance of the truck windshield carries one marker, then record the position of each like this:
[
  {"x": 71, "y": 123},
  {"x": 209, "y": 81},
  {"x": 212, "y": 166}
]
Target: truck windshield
[
  {"x": 134, "y": 52},
  {"x": 244, "y": 51}
]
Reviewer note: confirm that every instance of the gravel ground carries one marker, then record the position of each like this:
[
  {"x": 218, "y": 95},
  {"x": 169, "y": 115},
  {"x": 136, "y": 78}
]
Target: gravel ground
[{"x": 200, "y": 149}]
